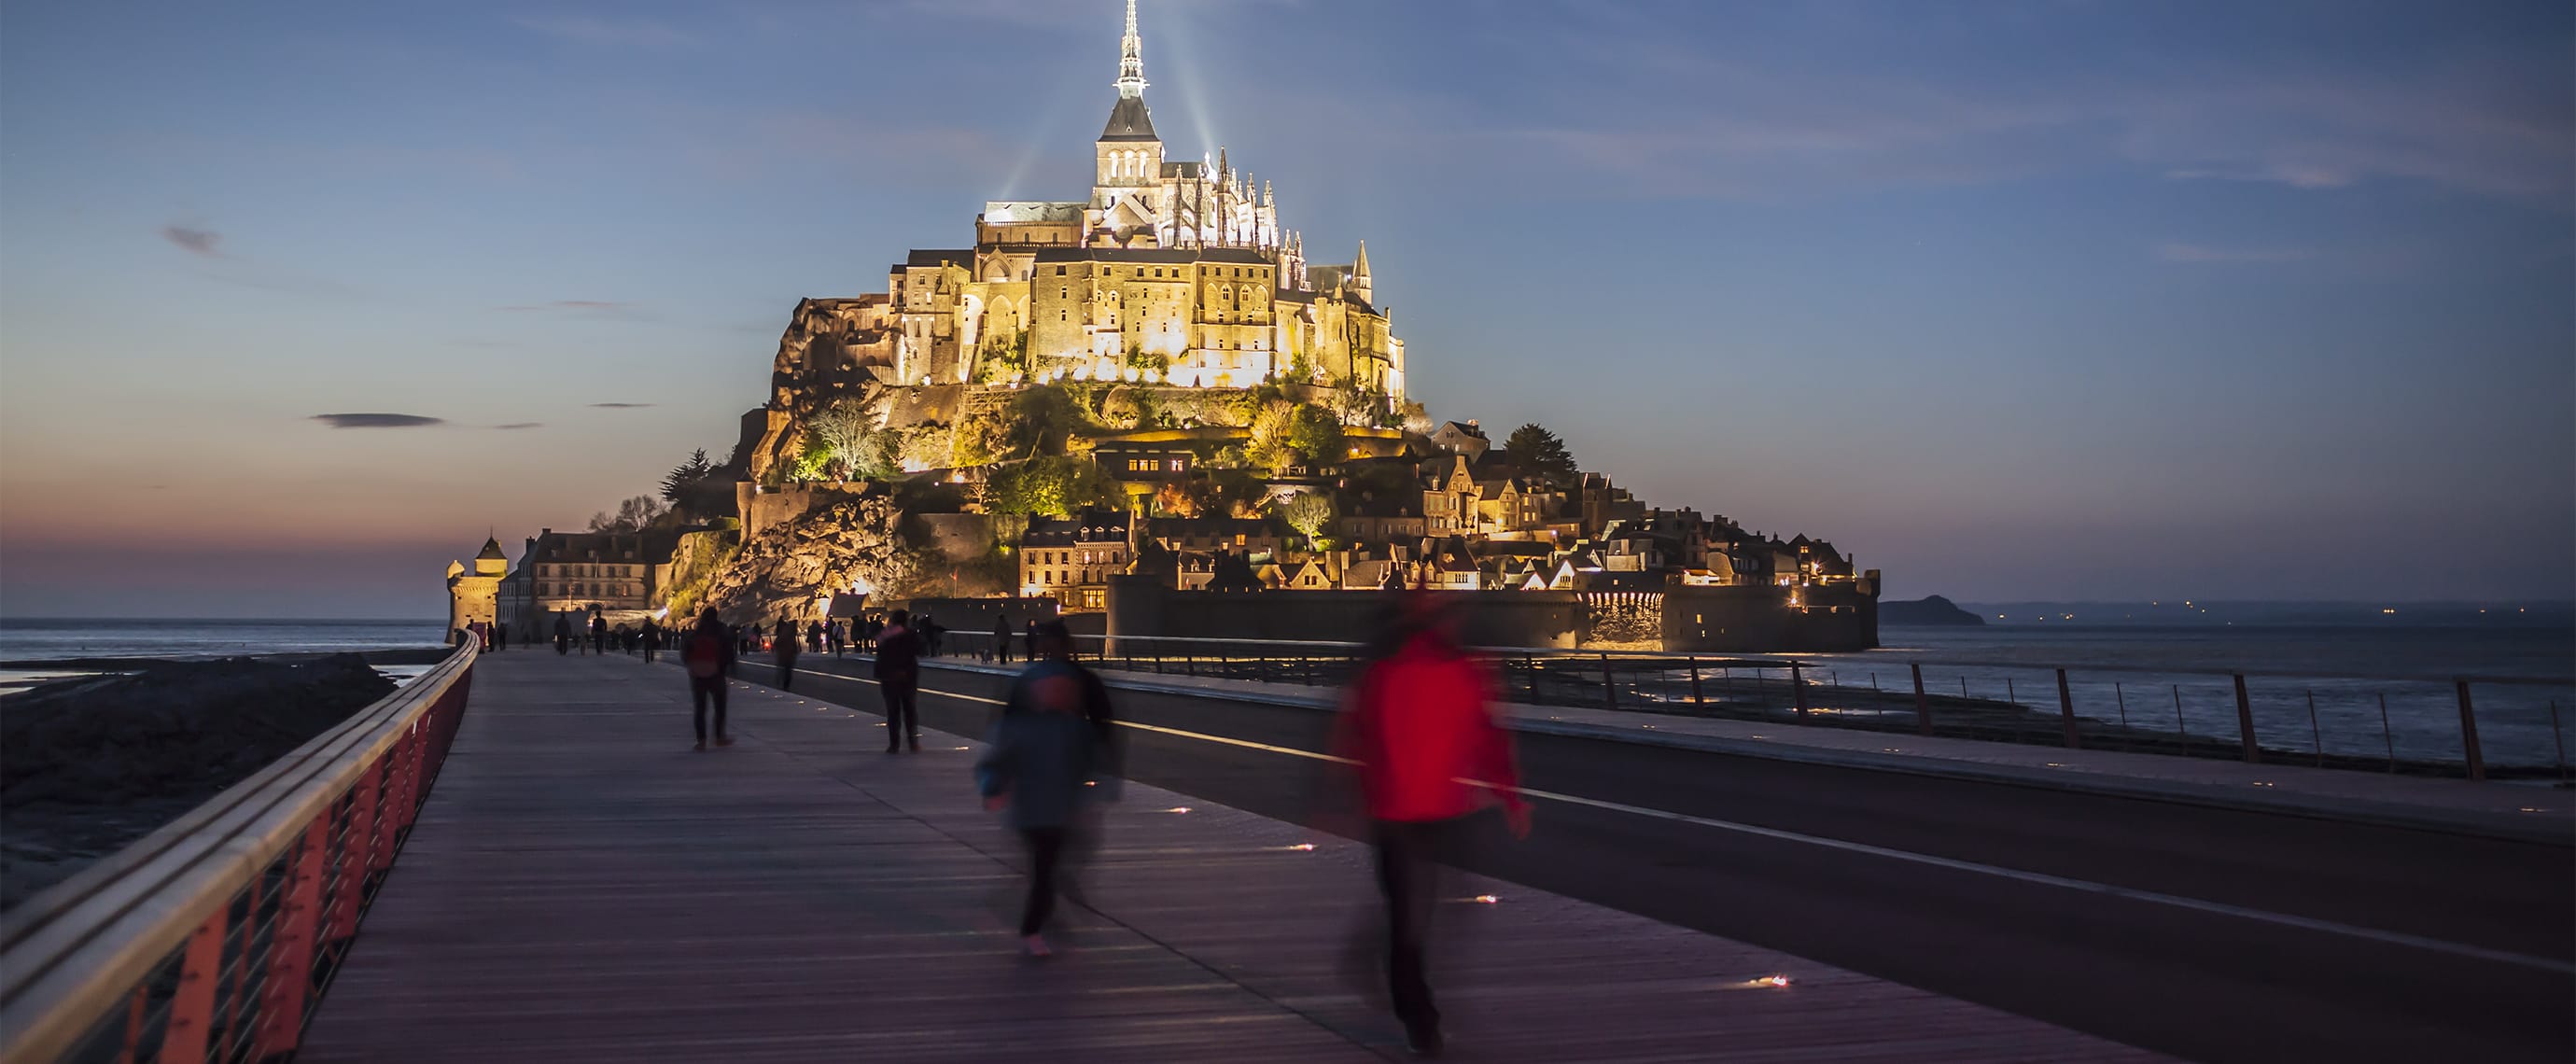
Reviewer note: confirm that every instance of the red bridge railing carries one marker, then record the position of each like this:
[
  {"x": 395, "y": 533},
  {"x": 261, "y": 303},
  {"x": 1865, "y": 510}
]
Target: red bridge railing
[{"x": 213, "y": 938}]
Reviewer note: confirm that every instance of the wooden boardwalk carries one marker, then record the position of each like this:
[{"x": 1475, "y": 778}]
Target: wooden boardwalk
[{"x": 583, "y": 886}]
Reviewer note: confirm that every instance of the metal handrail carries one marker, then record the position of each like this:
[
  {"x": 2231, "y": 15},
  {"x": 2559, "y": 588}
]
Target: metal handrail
[{"x": 72, "y": 955}]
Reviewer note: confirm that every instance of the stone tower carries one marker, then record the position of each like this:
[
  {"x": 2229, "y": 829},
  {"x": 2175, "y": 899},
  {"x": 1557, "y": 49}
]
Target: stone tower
[{"x": 475, "y": 596}]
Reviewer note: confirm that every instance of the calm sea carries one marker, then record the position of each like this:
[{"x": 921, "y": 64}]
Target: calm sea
[
  {"x": 2178, "y": 677},
  {"x": 38, "y": 639}
]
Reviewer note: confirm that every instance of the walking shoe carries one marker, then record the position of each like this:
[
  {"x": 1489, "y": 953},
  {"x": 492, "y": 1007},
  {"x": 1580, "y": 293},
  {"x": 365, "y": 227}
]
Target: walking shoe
[
  {"x": 1036, "y": 946},
  {"x": 724, "y": 740},
  {"x": 1425, "y": 1043},
  {"x": 916, "y": 744},
  {"x": 702, "y": 746}
]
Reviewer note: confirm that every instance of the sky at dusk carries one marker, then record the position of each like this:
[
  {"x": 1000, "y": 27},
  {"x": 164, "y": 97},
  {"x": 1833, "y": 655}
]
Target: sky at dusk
[{"x": 2017, "y": 300}]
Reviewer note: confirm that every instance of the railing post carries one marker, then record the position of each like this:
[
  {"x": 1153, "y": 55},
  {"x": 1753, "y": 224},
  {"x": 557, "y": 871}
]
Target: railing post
[
  {"x": 1609, "y": 683},
  {"x": 357, "y": 856},
  {"x": 1696, "y": 700},
  {"x": 192, "y": 1005},
  {"x": 1922, "y": 705},
  {"x": 2469, "y": 735},
  {"x": 1798, "y": 685},
  {"x": 2245, "y": 723},
  {"x": 291, "y": 945},
  {"x": 2066, "y": 713}
]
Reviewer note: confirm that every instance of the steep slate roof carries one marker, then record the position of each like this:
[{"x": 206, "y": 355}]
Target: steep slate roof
[
  {"x": 492, "y": 551},
  {"x": 1129, "y": 121}
]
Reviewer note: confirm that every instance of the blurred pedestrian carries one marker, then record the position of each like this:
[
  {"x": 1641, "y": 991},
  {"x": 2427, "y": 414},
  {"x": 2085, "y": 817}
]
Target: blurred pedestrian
[
  {"x": 782, "y": 649},
  {"x": 708, "y": 655},
  {"x": 652, "y": 639},
  {"x": 563, "y": 635},
  {"x": 1420, "y": 722},
  {"x": 1045, "y": 752},
  {"x": 1002, "y": 639},
  {"x": 501, "y": 635},
  {"x": 898, "y": 671}
]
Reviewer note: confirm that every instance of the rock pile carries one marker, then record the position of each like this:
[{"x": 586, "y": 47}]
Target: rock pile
[{"x": 89, "y": 765}]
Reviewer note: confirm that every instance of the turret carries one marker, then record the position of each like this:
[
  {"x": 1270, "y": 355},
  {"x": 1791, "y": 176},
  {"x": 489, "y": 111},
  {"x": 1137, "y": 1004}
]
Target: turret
[{"x": 1360, "y": 275}]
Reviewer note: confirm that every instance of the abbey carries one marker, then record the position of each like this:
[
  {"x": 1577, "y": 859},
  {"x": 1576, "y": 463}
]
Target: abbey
[{"x": 1174, "y": 272}]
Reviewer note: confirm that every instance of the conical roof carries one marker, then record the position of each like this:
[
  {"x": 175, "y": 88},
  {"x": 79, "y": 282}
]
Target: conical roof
[{"x": 492, "y": 551}]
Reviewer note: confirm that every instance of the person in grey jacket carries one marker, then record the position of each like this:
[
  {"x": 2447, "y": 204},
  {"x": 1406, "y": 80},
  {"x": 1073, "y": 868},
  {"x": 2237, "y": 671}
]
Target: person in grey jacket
[{"x": 1048, "y": 747}]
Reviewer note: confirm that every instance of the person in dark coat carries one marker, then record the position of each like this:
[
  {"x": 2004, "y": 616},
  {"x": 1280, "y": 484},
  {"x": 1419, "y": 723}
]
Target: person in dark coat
[
  {"x": 500, "y": 635},
  {"x": 1041, "y": 761},
  {"x": 598, "y": 632},
  {"x": 652, "y": 639},
  {"x": 563, "y": 634},
  {"x": 782, "y": 649},
  {"x": 1002, "y": 639},
  {"x": 707, "y": 655},
  {"x": 898, "y": 672}
]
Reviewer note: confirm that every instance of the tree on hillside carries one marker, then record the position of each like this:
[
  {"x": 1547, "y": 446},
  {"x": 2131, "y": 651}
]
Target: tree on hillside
[
  {"x": 844, "y": 431},
  {"x": 633, "y": 515},
  {"x": 697, "y": 489},
  {"x": 1053, "y": 486},
  {"x": 1316, "y": 436},
  {"x": 1310, "y": 513},
  {"x": 676, "y": 483},
  {"x": 1043, "y": 420},
  {"x": 1542, "y": 454}
]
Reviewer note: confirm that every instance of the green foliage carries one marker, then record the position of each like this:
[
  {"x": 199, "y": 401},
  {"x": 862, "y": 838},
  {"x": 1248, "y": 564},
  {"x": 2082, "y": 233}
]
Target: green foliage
[
  {"x": 1542, "y": 454},
  {"x": 1310, "y": 513},
  {"x": 812, "y": 463},
  {"x": 1053, "y": 486},
  {"x": 1042, "y": 420},
  {"x": 698, "y": 489},
  {"x": 1316, "y": 436}
]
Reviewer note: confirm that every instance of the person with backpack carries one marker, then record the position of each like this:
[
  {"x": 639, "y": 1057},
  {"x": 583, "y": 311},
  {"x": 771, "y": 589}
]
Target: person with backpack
[
  {"x": 708, "y": 655},
  {"x": 898, "y": 671},
  {"x": 1050, "y": 747},
  {"x": 1421, "y": 723}
]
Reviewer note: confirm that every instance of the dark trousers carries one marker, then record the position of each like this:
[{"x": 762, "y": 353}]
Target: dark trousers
[
  {"x": 700, "y": 690},
  {"x": 1407, "y": 876},
  {"x": 903, "y": 715},
  {"x": 563, "y": 644},
  {"x": 1046, "y": 847},
  {"x": 786, "y": 670},
  {"x": 1002, "y": 649}
]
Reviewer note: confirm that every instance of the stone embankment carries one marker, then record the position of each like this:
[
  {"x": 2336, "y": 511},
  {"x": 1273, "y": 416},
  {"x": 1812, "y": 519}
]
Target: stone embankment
[{"x": 89, "y": 765}]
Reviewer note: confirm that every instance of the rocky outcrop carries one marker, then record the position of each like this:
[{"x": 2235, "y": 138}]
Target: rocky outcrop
[
  {"x": 788, "y": 567},
  {"x": 89, "y": 765},
  {"x": 1926, "y": 612}
]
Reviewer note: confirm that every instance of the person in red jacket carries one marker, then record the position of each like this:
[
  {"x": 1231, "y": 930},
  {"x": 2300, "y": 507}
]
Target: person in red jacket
[{"x": 1420, "y": 730}]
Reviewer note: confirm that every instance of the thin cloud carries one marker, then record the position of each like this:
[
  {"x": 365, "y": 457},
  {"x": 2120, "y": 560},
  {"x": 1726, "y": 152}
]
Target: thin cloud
[
  {"x": 621, "y": 406},
  {"x": 200, "y": 241},
  {"x": 594, "y": 306},
  {"x": 378, "y": 421},
  {"x": 2172, "y": 251},
  {"x": 522, "y": 425},
  {"x": 605, "y": 33}
]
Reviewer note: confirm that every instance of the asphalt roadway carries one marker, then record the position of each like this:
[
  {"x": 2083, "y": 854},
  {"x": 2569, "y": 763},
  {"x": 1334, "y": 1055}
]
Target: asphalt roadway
[{"x": 2260, "y": 937}]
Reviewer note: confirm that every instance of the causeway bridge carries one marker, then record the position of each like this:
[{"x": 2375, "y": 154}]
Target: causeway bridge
[{"x": 519, "y": 857}]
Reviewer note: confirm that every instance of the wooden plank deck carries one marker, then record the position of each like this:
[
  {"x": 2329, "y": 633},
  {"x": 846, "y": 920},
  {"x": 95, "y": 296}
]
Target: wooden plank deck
[{"x": 582, "y": 886}]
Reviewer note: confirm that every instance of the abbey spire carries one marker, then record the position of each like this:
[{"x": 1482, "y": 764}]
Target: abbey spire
[
  {"x": 1129, "y": 120},
  {"x": 1131, "y": 59}
]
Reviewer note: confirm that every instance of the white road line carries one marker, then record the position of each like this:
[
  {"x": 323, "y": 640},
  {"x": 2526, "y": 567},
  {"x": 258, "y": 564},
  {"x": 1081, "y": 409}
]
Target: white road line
[{"x": 2394, "y": 938}]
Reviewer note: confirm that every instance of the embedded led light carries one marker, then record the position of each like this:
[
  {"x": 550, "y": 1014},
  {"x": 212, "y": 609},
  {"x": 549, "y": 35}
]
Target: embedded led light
[
  {"x": 1771, "y": 981},
  {"x": 1178, "y": 809},
  {"x": 1486, "y": 899}
]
